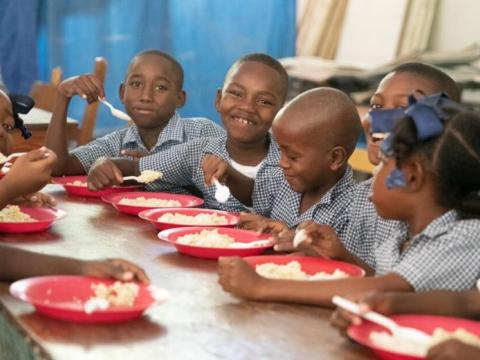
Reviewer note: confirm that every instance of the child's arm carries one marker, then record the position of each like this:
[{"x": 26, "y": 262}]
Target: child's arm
[
  {"x": 90, "y": 88},
  {"x": 18, "y": 263},
  {"x": 109, "y": 172},
  {"x": 238, "y": 278},
  {"x": 27, "y": 175},
  {"x": 453, "y": 349},
  {"x": 261, "y": 224},
  {"x": 240, "y": 186}
]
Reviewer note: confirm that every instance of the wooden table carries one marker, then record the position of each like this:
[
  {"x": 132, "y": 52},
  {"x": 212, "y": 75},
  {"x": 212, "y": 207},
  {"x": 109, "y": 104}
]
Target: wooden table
[
  {"x": 199, "y": 321},
  {"x": 37, "y": 121}
]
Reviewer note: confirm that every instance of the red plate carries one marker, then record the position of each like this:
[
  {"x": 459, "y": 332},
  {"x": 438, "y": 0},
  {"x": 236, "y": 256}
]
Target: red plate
[
  {"x": 153, "y": 214},
  {"x": 361, "y": 333},
  {"x": 310, "y": 265},
  {"x": 245, "y": 236},
  {"x": 44, "y": 216},
  {"x": 63, "y": 297},
  {"x": 114, "y": 199},
  {"x": 79, "y": 190}
]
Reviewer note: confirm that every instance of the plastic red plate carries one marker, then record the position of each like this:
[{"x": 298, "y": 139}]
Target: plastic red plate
[
  {"x": 152, "y": 215},
  {"x": 245, "y": 236},
  {"x": 44, "y": 216},
  {"x": 114, "y": 199},
  {"x": 310, "y": 265},
  {"x": 361, "y": 333},
  {"x": 80, "y": 190},
  {"x": 63, "y": 297}
]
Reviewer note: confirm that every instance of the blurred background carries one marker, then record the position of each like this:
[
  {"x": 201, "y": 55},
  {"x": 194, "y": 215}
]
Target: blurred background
[{"x": 349, "y": 44}]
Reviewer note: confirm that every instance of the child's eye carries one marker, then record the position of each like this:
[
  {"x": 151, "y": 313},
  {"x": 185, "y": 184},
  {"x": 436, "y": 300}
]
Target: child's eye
[
  {"x": 135, "y": 84},
  {"x": 375, "y": 106},
  {"x": 265, "y": 102},
  {"x": 160, "y": 87},
  {"x": 8, "y": 127},
  {"x": 234, "y": 93}
]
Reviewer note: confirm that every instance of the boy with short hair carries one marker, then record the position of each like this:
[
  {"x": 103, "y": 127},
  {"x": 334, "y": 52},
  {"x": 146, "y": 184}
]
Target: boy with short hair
[{"x": 151, "y": 93}]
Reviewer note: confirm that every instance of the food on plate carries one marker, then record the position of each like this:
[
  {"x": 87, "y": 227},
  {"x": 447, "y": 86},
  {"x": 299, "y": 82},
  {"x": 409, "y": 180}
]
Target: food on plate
[
  {"x": 293, "y": 271},
  {"x": 13, "y": 213},
  {"x": 207, "y": 238},
  {"x": 77, "y": 183},
  {"x": 200, "y": 219},
  {"x": 150, "y": 202},
  {"x": 117, "y": 294}
]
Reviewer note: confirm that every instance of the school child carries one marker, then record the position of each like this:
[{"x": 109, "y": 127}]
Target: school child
[
  {"x": 429, "y": 180},
  {"x": 364, "y": 223},
  {"x": 27, "y": 175},
  {"x": 438, "y": 302},
  {"x": 316, "y": 133},
  {"x": 151, "y": 93},
  {"x": 254, "y": 90}
]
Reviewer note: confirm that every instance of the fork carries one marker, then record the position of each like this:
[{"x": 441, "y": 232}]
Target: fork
[
  {"x": 405, "y": 332},
  {"x": 115, "y": 112}
]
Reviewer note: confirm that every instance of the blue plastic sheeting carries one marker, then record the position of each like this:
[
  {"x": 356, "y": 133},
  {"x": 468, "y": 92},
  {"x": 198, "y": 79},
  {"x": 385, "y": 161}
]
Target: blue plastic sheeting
[
  {"x": 18, "y": 44},
  {"x": 206, "y": 36}
]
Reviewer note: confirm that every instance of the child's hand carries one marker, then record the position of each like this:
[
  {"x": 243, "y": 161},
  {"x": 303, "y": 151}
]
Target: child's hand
[
  {"x": 237, "y": 277},
  {"x": 261, "y": 224},
  {"x": 381, "y": 302},
  {"x": 119, "y": 269},
  {"x": 284, "y": 241},
  {"x": 36, "y": 199},
  {"x": 321, "y": 240},
  {"x": 453, "y": 349},
  {"x": 29, "y": 173},
  {"x": 103, "y": 173},
  {"x": 214, "y": 167},
  {"x": 87, "y": 86}
]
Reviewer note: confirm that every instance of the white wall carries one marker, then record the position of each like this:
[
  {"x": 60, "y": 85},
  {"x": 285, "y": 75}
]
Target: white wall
[{"x": 457, "y": 25}]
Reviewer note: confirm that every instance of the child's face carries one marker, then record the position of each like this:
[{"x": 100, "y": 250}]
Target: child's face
[
  {"x": 151, "y": 92},
  {"x": 7, "y": 124},
  {"x": 393, "y": 92},
  {"x": 249, "y": 100},
  {"x": 304, "y": 160}
]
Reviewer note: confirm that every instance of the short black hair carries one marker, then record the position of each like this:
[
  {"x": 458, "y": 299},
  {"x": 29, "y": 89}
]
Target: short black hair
[
  {"x": 265, "y": 60},
  {"x": 440, "y": 79},
  {"x": 453, "y": 159},
  {"x": 176, "y": 65}
]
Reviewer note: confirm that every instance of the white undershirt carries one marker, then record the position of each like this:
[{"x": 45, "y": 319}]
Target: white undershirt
[{"x": 249, "y": 171}]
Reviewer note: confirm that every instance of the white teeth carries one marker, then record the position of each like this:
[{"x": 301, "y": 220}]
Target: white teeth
[{"x": 243, "y": 121}]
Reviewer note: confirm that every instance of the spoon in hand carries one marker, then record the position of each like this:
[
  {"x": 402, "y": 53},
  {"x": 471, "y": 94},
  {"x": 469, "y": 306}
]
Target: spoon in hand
[
  {"x": 115, "y": 112},
  {"x": 222, "y": 192}
]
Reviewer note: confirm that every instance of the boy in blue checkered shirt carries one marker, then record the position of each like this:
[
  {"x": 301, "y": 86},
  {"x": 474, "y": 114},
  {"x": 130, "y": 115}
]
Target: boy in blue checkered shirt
[
  {"x": 152, "y": 93},
  {"x": 430, "y": 181},
  {"x": 254, "y": 90}
]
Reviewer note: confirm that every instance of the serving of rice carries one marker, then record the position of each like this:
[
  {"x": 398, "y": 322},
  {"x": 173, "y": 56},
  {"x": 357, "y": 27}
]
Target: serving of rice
[
  {"x": 200, "y": 219},
  {"x": 148, "y": 176},
  {"x": 117, "y": 294},
  {"x": 77, "y": 183},
  {"x": 207, "y": 238},
  {"x": 3, "y": 158},
  {"x": 12, "y": 213},
  {"x": 397, "y": 344},
  {"x": 293, "y": 271},
  {"x": 151, "y": 202}
]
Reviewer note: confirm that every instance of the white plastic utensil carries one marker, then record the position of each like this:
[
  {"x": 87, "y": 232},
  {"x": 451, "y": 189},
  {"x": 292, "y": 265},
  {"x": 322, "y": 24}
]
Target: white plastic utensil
[
  {"x": 244, "y": 245},
  {"x": 147, "y": 176},
  {"x": 222, "y": 192},
  {"x": 11, "y": 156},
  {"x": 300, "y": 236},
  {"x": 115, "y": 112},
  {"x": 403, "y": 332}
]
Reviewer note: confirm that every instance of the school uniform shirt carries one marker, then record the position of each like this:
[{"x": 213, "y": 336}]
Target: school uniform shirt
[
  {"x": 365, "y": 225},
  {"x": 177, "y": 131},
  {"x": 182, "y": 165},
  {"x": 443, "y": 256},
  {"x": 285, "y": 203}
]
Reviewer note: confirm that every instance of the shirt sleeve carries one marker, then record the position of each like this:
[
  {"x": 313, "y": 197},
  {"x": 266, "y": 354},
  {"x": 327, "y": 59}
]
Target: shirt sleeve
[{"x": 267, "y": 185}]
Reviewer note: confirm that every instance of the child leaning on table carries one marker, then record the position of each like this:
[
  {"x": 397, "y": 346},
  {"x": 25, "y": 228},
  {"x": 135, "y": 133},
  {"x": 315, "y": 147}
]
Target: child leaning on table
[
  {"x": 429, "y": 180},
  {"x": 28, "y": 174},
  {"x": 316, "y": 132},
  {"x": 364, "y": 223},
  {"x": 151, "y": 93},
  {"x": 254, "y": 90},
  {"x": 439, "y": 302}
]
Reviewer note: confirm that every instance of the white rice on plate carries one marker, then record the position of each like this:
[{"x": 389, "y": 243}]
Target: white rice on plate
[
  {"x": 293, "y": 271},
  {"x": 150, "y": 202},
  {"x": 207, "y": 238},
  {"x": 12, "y": 213},
  {"x": 200, "y": 219}
]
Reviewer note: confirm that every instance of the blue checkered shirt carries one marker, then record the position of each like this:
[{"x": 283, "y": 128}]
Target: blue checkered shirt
[
  {"x": 285, "y": 203},
  {"x": 443, "y": 256},
  {"x": 182, "y": 165},
  {"x": 177, "y": 131},
  {"x": 364, "y": 224}
]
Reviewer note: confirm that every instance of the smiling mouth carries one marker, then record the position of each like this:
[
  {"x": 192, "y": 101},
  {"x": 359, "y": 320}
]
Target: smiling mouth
[{"x": 243, "y": 121}]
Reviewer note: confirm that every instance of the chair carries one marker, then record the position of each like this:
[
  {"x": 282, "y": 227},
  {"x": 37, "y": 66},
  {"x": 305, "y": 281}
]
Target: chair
[{"x": 44, "y": 96}]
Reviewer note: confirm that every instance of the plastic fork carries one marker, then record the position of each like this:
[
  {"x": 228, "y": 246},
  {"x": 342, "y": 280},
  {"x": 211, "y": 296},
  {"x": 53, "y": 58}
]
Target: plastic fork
[
  {"x": 115, "y": 112},
  {"x": 404, "y": 332},
  {"x": 222, "y": 192},
  {"x": 11, "y": 156}
]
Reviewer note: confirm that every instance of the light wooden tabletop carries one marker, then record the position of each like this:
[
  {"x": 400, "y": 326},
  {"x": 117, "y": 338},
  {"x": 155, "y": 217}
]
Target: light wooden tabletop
[{"x": 199, "y": 321}]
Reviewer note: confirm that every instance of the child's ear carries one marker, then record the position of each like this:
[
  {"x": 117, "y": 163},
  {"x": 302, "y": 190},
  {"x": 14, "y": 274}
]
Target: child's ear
[
  {"x": 182, "y": 98},
  {"x": 414, "y": 174},
  {"x": 121, "y": 92},
  {"x": 218, "y": 98},
  {"x": 338, "y": 157}
]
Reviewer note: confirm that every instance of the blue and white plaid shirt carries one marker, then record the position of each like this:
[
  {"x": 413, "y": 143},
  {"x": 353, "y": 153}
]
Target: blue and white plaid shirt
[
  {"x": 284, "y": 203},
  {"x": 182, "y": 165},
  {"x": 443, "y": 256}
]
